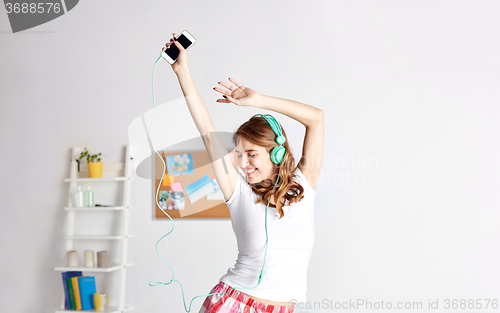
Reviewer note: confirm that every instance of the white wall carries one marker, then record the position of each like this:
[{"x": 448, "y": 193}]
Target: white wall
[{"x": 407, "y": 205}]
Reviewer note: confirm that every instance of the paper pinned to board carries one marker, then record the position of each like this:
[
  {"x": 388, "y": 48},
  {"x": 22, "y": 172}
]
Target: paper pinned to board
[
  {"x": 199, "y": 189},
  {"x": 176, "y": 186},
  {"x": 217, "y": 193}
]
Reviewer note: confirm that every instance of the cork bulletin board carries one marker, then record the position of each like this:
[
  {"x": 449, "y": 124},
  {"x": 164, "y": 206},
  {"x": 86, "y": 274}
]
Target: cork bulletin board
[{"x": 201, "y": 208}]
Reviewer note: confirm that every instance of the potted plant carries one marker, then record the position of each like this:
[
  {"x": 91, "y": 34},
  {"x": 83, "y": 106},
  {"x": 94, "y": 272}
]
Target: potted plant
[{"x": 93, "y": 162}]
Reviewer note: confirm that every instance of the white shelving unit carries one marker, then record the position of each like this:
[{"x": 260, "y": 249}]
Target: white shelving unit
[{"x": 72, "y": 212}]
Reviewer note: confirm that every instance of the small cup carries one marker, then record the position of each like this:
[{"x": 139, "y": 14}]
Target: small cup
[
  {"x": 101, "y": 300},
  {"x": 102, "y": 258},
  {"x": 72, "y": 258},
  {"x": 88, "y": 258}
]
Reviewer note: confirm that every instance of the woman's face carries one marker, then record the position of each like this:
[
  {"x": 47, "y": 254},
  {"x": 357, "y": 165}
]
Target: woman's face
[{"x": 255, "y": 161}]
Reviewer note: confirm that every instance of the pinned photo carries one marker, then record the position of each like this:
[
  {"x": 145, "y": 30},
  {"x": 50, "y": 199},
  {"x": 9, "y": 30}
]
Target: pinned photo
[{"x": 171, "y": 200}]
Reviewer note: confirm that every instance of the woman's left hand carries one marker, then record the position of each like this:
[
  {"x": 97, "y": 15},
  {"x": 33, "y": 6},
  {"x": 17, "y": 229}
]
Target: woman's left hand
[{"x": 239, "y": 95}]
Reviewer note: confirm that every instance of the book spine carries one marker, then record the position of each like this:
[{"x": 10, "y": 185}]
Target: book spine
[
  {"x": 87, "y": 290},
  {"x": 71, "y": 294},
  {"x": 67, "y": 305},
  {"x": 67, "y": 285},
  {"x": 76, "y": 292}
]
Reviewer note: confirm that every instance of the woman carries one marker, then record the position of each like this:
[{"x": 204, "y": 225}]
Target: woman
[{"x": 288, "y": 190}]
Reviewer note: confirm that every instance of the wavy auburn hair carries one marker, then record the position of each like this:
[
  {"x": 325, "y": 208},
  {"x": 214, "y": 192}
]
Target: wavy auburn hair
[{"x": 258, "y": 131}]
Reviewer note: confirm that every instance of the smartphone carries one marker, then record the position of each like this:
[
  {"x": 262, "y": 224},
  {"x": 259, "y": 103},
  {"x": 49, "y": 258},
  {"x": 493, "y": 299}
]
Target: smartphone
[{"x": 172, "y": 53}]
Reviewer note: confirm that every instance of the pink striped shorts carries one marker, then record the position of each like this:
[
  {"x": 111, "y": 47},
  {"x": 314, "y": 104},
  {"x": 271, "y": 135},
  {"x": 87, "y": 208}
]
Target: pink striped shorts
[{"x": 237, "y": 302}]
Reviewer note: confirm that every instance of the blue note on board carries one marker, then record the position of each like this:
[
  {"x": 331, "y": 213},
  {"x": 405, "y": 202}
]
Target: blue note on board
[{"x": 199, "y": 189}]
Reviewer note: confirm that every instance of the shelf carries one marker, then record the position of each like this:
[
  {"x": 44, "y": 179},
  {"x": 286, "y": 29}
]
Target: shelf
[
  {"x": 112, "y": 267},
  {"x": 115, "y": 183},
  {"x": 98, "y": 237},
  {"x": 69, "y": 180},
  {"x": 96, "y": 208},
  {"x": 108, "y": 309}
]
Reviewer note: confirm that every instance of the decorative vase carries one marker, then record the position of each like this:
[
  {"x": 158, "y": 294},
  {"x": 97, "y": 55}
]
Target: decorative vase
[
  {"x": 88, "y": 258},
  {"x": 102, "y": 258},
  {"x": 72, "y": 258},
  {"x": 95, "y": 169}
]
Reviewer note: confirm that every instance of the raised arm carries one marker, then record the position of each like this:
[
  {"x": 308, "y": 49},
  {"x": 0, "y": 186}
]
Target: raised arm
[
  {"x": 224, "y": 170},
  {"x": 311, "y": 117}
]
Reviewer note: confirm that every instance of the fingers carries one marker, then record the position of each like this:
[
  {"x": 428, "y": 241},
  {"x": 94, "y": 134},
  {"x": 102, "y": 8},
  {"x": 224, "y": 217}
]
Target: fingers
[
  {"x": 172, "y": 41},
  {"x": 226, "y": 94},
  {"x": 234, "y": 82},
  {"x": 227, "y": 86},
  {"x": 228, "y": 100},
  {"x": 222, "y": 91}
]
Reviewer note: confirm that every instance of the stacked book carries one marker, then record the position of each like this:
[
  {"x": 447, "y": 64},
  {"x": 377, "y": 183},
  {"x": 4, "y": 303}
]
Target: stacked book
[{"x": 79, "y": 290}]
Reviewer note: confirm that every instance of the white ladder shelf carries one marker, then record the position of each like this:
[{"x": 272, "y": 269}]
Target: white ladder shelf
[{"x": 123, "y": 237}]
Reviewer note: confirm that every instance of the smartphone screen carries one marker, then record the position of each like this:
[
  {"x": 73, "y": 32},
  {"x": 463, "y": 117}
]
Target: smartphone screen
[{"x": 173, "y": 51}]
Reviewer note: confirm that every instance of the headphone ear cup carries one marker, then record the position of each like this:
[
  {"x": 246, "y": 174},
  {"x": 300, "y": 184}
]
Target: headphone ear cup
[{"x": 277, "y": 154}]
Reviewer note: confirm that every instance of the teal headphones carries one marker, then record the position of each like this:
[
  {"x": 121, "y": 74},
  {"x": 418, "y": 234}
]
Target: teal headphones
[
  {"x": 277, "y": 155},
  {"x": 278, "y": 152}
]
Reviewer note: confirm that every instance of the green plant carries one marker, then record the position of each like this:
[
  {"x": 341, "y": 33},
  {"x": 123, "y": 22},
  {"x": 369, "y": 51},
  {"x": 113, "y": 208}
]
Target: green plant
[{"x": 90, "y": 158}]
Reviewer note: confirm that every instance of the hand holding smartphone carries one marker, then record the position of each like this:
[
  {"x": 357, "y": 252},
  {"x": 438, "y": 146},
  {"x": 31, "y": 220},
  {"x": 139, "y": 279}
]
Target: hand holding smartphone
[{"x": 172, "y": 53}]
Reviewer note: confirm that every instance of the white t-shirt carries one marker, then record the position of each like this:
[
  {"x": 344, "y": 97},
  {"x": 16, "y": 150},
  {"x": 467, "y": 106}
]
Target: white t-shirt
[{"x": 291, "y": 240}]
